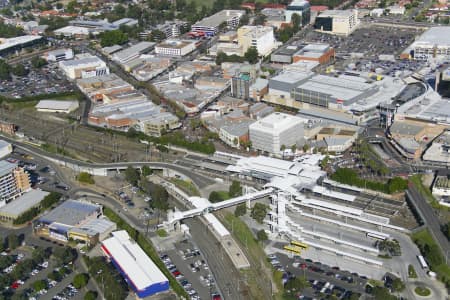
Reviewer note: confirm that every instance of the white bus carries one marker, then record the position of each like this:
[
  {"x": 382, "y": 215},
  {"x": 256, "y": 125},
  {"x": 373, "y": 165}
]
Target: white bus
[
  {"x": 422, "y": 261},
  {"x": 376, "y": 236}
]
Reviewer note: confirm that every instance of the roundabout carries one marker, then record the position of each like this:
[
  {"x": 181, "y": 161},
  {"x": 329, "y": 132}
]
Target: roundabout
[{"x": 422, "y": 291}]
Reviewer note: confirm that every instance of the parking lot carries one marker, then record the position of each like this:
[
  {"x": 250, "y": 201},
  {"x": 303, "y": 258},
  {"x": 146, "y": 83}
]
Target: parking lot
[
  {"x": 190, "y": 268},
  {"x": 368, "y": 39},
  {"x": 47, "y": 80},
  {"x": 323, "y": 279}
]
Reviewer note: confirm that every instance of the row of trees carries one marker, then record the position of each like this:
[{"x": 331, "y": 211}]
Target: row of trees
[
  {"x": 350, "y": 177},
  {"x": 9, "y": 31},
  {"x": 31, "y": 213},
  {"x": 18, "y": 69},
  {"x": 251, "y": 55}
]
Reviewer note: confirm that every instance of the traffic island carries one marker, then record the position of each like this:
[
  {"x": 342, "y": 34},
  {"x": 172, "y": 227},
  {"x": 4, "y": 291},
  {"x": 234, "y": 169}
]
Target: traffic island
[{"x": 422, "y": 291}]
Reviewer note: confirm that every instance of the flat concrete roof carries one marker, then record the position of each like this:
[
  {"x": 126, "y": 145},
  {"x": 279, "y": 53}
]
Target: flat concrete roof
[{"x": 20, "y": 205}]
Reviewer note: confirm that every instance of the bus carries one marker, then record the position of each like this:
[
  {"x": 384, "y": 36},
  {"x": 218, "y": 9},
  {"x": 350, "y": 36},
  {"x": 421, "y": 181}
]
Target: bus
[
  {"x": 376, "y": 236},
  {"x": 299, "y": 244},
  {"x": 422, "y": 261},
  {"x": 293, "y": 249}
]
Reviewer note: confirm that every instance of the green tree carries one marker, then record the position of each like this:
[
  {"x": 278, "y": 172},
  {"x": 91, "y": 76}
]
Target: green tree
[
  {"x": 241, "y": 210},
  {"x": 85, "y": 177},
  {"x": 259, "y": 212},
  {"x": 295, "y": 286},
  {"x": 64, "y": 255},
  {"x": 38, "y": 62},
  {"x": 5, "y": 70},
  {"x": 56, "y": 276},
  {"x": 215, "y": 197},
  {"x": 9, "y": 31},
  {"x": 80, "y": 280},
  {"x": 71, "y": 6},
  {"x": 235, "y": 189},
  {"x": 146, "y": 171},
  {"x": 90, "y": 295},
  {"x": 261, "y": 235},
  {"x": 38, "y": 255},
  {"x": 296, "y": 20},
  {"x": 132, "y": 175},
  {"x": 398, "y": 285},
  {"x": 259, "y": 19},
  {"x": 382, "y": 293},
  {"x": 13, "y": 241},
  {"x": 19, "y": 70},
  {"x": 113, "y": 37},
  {"x": 39, "y": 285},
  {"x": 251, "y": 55}
]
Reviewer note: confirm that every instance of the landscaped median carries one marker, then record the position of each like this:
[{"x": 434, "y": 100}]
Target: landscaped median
[
  {"x": 148, "y": 248},
  {"x": 430, "y": 250}
]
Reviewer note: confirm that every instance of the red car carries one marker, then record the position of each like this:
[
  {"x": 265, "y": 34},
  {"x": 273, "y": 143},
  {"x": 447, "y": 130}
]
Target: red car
[
  {"x": 303, "y": 266},
  {"x": 15, "y": 285},
  {"x": 216, "y": 297},
  {"x": 176, "y": 273}
]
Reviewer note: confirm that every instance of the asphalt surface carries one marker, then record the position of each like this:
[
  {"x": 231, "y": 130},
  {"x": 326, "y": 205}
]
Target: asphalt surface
[
  {"x": 200, "y": 180},
  {"x": 430, "y": 219}
]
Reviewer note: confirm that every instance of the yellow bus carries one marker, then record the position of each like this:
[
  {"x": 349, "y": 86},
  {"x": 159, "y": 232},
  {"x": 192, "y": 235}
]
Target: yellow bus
[
  {"x": 293, "y": 249},
  {"x": 299, "y": 244}
]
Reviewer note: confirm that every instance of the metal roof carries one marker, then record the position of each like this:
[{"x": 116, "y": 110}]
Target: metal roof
[
  {"x": 70, "y": 213},
  {"x": 6, "y": 167},
  {"x": 18, "y": 206},
  {"x": 56, "y": 104},
  {"x": 138, "y": 267}
]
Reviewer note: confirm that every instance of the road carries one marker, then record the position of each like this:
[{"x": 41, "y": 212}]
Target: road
[
  {"x": 200, "y": 180},
  {"x": 430, "y": 219}
]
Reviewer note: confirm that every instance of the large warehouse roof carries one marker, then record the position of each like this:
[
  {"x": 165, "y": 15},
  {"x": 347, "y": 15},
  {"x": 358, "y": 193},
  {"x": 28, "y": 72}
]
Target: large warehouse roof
[
  {"x": 70, "y": 213},
  {"x": 133, "y": 261},
  {"x": 56, "y": 105},
  {"x": 16, "y": 41},
  {"x": 18, "y": 206},
  {"x": 435, "y": 36}
]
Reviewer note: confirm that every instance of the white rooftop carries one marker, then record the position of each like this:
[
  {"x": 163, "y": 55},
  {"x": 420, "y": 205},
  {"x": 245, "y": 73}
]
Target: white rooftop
[
  {"x": 55, "y": 104},
  {"x": 18, "y": 206},
  {"x": 435, "y": 36},
  {"x": 276, "y": 122},
  {"x": 140, "y": 269},
  {"x": 15, "y": 41}
]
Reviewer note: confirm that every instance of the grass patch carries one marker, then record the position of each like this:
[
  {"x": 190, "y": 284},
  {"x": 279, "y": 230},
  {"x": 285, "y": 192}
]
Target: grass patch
[
  {"x": 432, "y": 253},
  {"x": 422, "y": 291},
  {"x": 161, "y": 233},
  {"x": 411, "y": 272},
  {"x": 375, "y": 283},
  {"x": 385, "y": 256},
  {"x": 186, "y": 185},
  {"x": 256, "y": 276},
  {"x": 148, "y": 248},
  {"x": 424, "y": 191}
]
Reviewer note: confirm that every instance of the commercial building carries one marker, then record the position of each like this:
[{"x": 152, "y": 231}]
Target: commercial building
[
  {"x": 88, "y": 66},
  {"x": 275, "y": 17},
  {"x": 139, "y": 270},
  {"x": 439, "y": 151},
  {"x": 11, "y": 45},
  {"x": 14, "y": 209},
  {"x": 150, "y": 67},
  {"x": 70, "y": 214},
  {"x": 301, "y": 8},
  {"x": 94, "y": 26},
  {"x": 8, "y": 128},
  {"x": 284, "y": 54},
  {"x": 433, "y": 44},
  {"x": 93, "y": 230},
  {"x": 126, "y": 22},
  {"x": 5, "y": 148},
  {"x": 132, "y": 52},
  {"x": 276, "y": 130},
  {"x": 240, "y": 86},
  {"x": 14, "y": 181},
  {"x": 321, "y": 53},
  {"x": 260, "y": 37},
  {"x": 59, "y": 54},
  {"x": 59, "y": 106},
  {"x": 72, "y": 31},
  {"x": 96, "y": 87},
  {"x": 176, "y": 48},
  {"x": 258, "y": 89},
  {"x": 172, "y": 28},
  {"x": 260, "y": 110},
  {"x": 235, "y": 133},
  {"x": 339, "y": 22},
  {"x": 156, "y": 125},
  {"x": 209, "y": 26}
]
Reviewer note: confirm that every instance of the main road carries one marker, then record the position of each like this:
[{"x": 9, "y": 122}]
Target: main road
[{"x": 430, "y": 219}]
